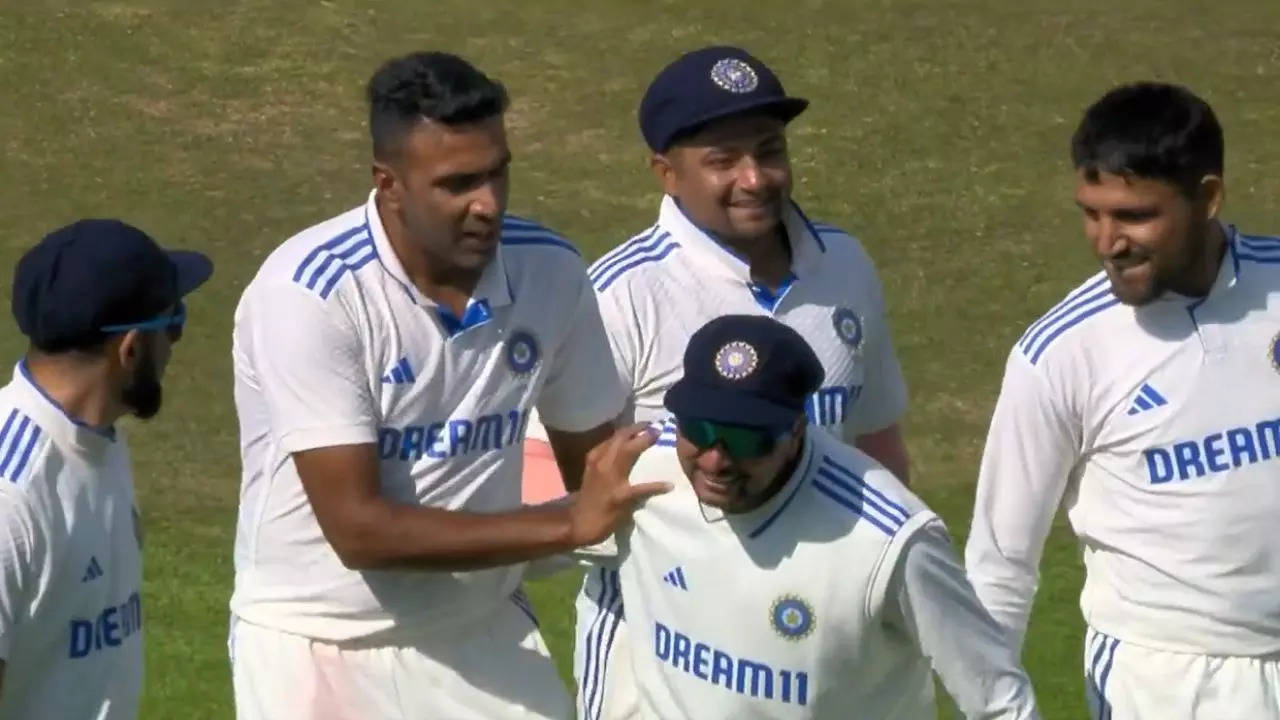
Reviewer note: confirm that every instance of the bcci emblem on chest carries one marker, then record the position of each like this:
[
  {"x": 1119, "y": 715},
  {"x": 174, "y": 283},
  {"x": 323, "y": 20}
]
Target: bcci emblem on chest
[
  {"x": 792, "y": 618},
  {"x": 848, "y": 327},
  {"x": 1274, "y": 352},
  {"x": 522, "y": 353}
]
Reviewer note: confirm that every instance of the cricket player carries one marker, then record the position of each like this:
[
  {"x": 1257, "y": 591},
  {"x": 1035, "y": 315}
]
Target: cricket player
[
  {"x": 1149, "y": 400},
  {"x": 729, "y": 239},
  {"x": 386, "y": 362},
  {"x": 101, "y": 305},
  {"x": 789, "y": 575}
]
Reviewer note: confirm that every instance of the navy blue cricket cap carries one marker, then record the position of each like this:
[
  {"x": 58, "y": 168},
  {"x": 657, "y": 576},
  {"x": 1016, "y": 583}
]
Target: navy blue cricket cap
[
  {"x": 95, "y": 273},
  {"x": 709, "y": 84},
  {"x": 746, "y": 370}
]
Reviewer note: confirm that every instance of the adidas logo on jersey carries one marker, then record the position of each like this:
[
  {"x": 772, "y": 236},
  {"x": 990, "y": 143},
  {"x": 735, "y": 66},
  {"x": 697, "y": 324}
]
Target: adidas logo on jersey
[
  {"x": 93, "y": 572},
  {"x": 1146, "y": 399},
  {"x": 675, "y": 578},
  {"x": 401, "y": 373}
]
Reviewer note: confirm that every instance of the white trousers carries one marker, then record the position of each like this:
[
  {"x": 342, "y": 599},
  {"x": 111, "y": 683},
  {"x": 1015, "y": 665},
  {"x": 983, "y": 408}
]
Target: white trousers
[
  {"x": 497, "y": 669},
  {"x": 1124, "y": 681}
]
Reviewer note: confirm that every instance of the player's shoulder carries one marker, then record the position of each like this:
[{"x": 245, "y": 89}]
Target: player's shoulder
[
  {"x": 1257, "y": 258},
  {"x": 27, "y": 449},
  {"x": 833, "y": 240},
  {"x": 1087, "y": 312},
  {"x": 531, "y": 239},
  {"x": 539, "y": 261},
  {"x": 847, "y": 486},
  {"x": 319, "y": 260},
  {"x": 641, "y": 260}
]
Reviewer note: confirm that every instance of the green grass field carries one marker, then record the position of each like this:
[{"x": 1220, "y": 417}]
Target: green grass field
[{"x": 938, "y": 134}]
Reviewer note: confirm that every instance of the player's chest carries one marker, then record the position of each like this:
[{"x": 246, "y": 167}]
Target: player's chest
[
  {"x": 474, "y": 382},
  {"x": 834, "y": 324},
  {"x": 1205, "y": 408},
  {"x": 782, "y": 604},
  {"x": 95, "y": 603}
]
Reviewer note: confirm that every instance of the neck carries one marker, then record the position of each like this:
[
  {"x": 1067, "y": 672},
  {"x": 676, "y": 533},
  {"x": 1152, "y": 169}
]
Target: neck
[
  {"x": 768, "y": 255},
  {"x": 451, "y": 286},
  {"x": 1204, "y": 270},
  {"x": 79, "y": 386}
]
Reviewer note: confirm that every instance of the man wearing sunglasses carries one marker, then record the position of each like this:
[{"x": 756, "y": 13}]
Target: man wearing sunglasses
[
  {"x": 101, "y": 306},
  {"x": 788, "y": 574},
  {"x": 729, "y": 238}
]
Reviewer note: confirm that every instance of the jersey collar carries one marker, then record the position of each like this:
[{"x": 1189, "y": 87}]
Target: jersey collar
[
  {"x": 492, "y": 291},
  {"x": 54, "y": 418},
  {"x": 807, "y": 248}
]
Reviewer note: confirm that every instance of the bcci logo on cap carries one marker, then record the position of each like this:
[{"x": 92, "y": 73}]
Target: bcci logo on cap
[
  {"x": 522, "y": 352},
  {"x": 848, "y": 327},
  {"x": 734, "y": 75},
  {"x": 736, "y": 360},
  {"x": 792, "y": 617}
]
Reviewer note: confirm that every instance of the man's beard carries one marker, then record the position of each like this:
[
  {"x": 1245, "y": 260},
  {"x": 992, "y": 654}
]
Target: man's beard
[{"x": 143, "y": 394}]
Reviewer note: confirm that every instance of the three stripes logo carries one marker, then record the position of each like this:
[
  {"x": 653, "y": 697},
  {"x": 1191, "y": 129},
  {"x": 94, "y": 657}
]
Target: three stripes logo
[
  {"x": 401, "y": 373},
  {"x": 93, "y": 572},
  {"x": 1146, "y": 399},
  {"x": 675, "y": 578},
  {"x": 1079, "y": 306},
  {"x": 18, "y": 439}
]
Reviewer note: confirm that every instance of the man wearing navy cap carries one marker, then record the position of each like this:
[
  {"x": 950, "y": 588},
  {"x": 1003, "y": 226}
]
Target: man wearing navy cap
[
  {"x": 789, "y": 575},
  {"x": 101, "y": 305},
  {"x": 729, "y": 238}
]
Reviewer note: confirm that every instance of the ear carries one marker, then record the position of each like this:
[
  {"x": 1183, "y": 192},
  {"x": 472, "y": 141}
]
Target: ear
[
  {"x": 128, "y": 349},
  {"x": 1210, "y": 195},
  {"x": 386, "y": 182},
  {"x": 663, "y": 169}
]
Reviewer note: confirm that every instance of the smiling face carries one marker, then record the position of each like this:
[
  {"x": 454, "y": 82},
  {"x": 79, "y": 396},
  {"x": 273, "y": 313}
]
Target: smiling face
[
  {"x": 1148, "y": 234},
  {"x": 732, "y": 177},
  {"x": 730, "y": 469}
]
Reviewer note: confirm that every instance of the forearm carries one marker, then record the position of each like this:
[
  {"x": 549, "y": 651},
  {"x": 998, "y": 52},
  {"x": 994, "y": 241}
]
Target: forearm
[
  {"x": 386, "y": 534},
  {"x": 969, "y": 650},
  {"x": 1005, "y": 586}
]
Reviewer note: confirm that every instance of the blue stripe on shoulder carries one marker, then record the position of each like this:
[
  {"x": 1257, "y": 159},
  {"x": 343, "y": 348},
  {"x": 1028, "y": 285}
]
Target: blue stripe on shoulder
[
  {"x": 652, "y": 252},
  {"x": 1259, "y": 249},
  {"x": 610, "y": 259},
  {"x": 18, "y": 439},
  {"x": 1082, "y": 311},
  {"x": 334, "y": 259},
  {"x": 1081, "y": 304},
  {"x": 520, "y": 231},
  {"x": 849, "y": 490},
  {"x": 1056, "y": 311}
]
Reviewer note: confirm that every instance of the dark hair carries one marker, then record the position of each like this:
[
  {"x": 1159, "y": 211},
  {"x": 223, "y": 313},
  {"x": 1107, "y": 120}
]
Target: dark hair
[
  {"x": 1150, "y": 130},
  {"x": 427, "y": 86}
]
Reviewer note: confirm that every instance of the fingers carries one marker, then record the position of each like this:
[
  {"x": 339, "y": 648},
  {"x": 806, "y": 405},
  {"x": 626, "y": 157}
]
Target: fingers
[
  {"x": 639, "y": 442},
  {"x": 637, "y": 493}
]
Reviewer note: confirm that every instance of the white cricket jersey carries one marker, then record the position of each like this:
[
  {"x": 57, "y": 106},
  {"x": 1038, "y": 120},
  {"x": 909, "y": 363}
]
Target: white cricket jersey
[
  {"x": 801, "y": 608},
  {"x": 1160, "y": 426},
  {"x": 661, "y": 286},
  {"x": 70, "y": 564},
  {"x": 333, "y": 346}
]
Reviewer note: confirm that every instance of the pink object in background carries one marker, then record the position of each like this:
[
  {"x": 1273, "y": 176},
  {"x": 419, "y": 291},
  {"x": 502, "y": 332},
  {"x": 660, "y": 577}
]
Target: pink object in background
[{"x": 541, "y": 480}]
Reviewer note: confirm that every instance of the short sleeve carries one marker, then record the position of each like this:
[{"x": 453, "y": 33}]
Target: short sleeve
[
  {"x": 19, "y": 565},
  {"x": 883, "y": 400},
  {"x": 623, "y": 330},
  {"x": 309, "y": 364},
  {"x": 582, "y": 389}
]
